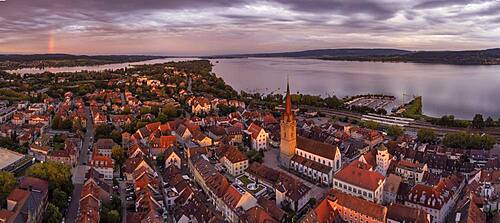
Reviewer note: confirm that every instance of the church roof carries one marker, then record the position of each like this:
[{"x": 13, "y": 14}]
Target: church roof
[{"x": 316, "y": 147}]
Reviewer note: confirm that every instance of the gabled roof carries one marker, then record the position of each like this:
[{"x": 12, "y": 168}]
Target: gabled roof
[
  {"x": 232, "y": 197},
  {"x": 254, "y": 129},
  {"x": 258, "y": 215},
  {"x": 233, "y": 154},
  {"x": 401, "y": 213},
  {"x": 356, "y": 174},
  {"x": 316, "y": 147},
  {"x": 167, "y": 141},
  {"x": 359, "y": 205}
]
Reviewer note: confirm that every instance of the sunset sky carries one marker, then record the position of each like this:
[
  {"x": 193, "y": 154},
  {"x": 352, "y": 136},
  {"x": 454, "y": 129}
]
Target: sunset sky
[{"x": 207, "y": 27}]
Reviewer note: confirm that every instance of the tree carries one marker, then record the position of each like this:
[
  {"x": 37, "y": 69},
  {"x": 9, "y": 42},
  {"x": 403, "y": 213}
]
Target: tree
[
  {"x": 67, "y": 124},
  {"x": 113, "y": 216},
  {"x": 118, "y": 154},
  {"x": 489, "y": 122},
  {"x": 7, "y": 184},
  {"x": 160, "y": 160},
  {"x": 56, "y": 122},
  {"x": 52, "y": 214},
  {"x": 116, "y": 135},
  {"x": 395, "y": 131},
  {"x": 59, "y": 199},
  {"x": 58, "y": 175},
  {"x": 478, "y": 122},
  {"x": 426, "y": 136},
  {"x": 103, "y": 131},
  {"x": 370, "y": 124},
  {"x": 465, "y": 140}
]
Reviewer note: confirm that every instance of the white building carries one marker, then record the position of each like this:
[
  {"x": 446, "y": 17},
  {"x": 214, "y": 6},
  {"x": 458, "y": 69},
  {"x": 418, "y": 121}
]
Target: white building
[
  {"x": 258, "y": 137},
  {"x": 358, "y": 179},
  {"x": 315, "y": 160},
  {"x": 411, "y": 172},
  {"x": 436, "y": 200}
]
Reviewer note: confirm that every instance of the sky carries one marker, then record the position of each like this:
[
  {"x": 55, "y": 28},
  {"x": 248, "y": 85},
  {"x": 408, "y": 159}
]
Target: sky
[{"x": 214, "y": 27}]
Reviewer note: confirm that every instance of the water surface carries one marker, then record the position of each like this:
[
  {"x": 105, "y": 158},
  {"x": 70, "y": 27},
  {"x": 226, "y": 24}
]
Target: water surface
[{"x": 446, "y": 89}]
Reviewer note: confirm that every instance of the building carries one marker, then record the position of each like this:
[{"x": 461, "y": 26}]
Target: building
[
  {"x": 35, "y": 119},
  {"x": 341, "y": 207},
  {"x": 391, "y": 188},
  {"x": 7, "y": 113},
  {"x": 437, "y": 200},
  {"x": 104, "y": 146},
  {"x": 233, "y": 159},
  {"x": 258, "y": 137},
  {"x": 288, "y": 132},
  {"x": 103, "y": 165},
  {"x": 316, "y": 160},
  {"x": 398, "y": 213},
  {"x": 358, "y": 179},
  {"x": 288, "y": 190},
  {"x": 411, "y": 172},
  {"x": 200, "y": 105},
  {"x": 383, "y": 160},
  {"x": 27, "y": 203},
  {"x": 172, "y": 158},
  {"x": 11, "y": 161}
]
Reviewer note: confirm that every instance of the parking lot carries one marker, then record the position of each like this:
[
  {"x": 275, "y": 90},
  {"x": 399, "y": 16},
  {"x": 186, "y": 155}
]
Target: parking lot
[{"x": 372, "y": 102}]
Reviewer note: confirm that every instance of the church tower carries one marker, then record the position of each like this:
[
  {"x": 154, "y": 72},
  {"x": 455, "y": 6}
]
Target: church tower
[{"x": 288, "y": 129}]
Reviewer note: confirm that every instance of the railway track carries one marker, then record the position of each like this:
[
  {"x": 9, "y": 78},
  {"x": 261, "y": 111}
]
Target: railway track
[{"x": 416, "y": 125}]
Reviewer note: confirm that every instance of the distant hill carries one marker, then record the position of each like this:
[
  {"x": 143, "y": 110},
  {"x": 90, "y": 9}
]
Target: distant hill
[
  {"x": 16, "y": 61},
  {"x": 470, "y": 57}
]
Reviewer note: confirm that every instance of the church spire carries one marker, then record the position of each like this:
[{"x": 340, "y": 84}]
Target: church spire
[{"x": 288, "y": 99}]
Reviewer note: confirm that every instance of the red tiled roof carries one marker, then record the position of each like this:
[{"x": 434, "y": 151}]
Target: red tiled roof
[
  {"x": 258, "y": 215},
  {"x": 359, "y": 205},
  {"x": 232, "y": 153},
  {"x": 232, "y": 197},
  {"x": 18, "y": 195},
  {"x": 356, "y": 174},
  {"x": 254, "y": 129},
  {"x": 167, "y": 141}
]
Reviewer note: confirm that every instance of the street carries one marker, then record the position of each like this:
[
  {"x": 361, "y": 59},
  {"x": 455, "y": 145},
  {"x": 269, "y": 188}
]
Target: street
[{"x": 80, "y": 170}]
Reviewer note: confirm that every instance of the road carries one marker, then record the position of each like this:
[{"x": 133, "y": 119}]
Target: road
[{"x": 80, "y": 170}]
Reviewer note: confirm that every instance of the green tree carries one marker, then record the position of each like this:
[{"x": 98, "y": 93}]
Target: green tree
[
  {"x": 160, "y": 160},
  {"x": 58, "y": 175},
  {"x": 118, "y": 154},
  {"x": 59, "y": 199},
  {"x": 7, "y": 184},
  {"x": 489, "y": 122},
  {"x": 370, "y": 124},
  {"x": 67, "y": 124},
  {"x": 56, "y": 122},
  {"x": 426, "y": 136},
  {"x": 395, "y": 131},
  {"x": 477, "y": 121},
  {"x": 465, "y": 140},
  {"x": 52, "y": 214},
  {"x": 103, "y": 131},
  {"x": 116, "y": 135}
]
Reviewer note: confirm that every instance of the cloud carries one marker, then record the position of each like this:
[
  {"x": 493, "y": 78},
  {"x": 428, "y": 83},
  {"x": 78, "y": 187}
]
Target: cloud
[{"x": 234, "y": 26}]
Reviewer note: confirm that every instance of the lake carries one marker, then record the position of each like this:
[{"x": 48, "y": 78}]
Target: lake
[{"x": 446, "y": 89}]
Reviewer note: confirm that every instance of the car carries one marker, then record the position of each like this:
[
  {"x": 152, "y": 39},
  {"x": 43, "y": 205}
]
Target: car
[
  {"x": 115, "y": 187},
  {"x": 129, "y": 198}
]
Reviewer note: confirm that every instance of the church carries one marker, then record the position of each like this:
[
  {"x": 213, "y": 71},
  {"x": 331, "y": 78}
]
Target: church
[{"x": 310, "y": 158}]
